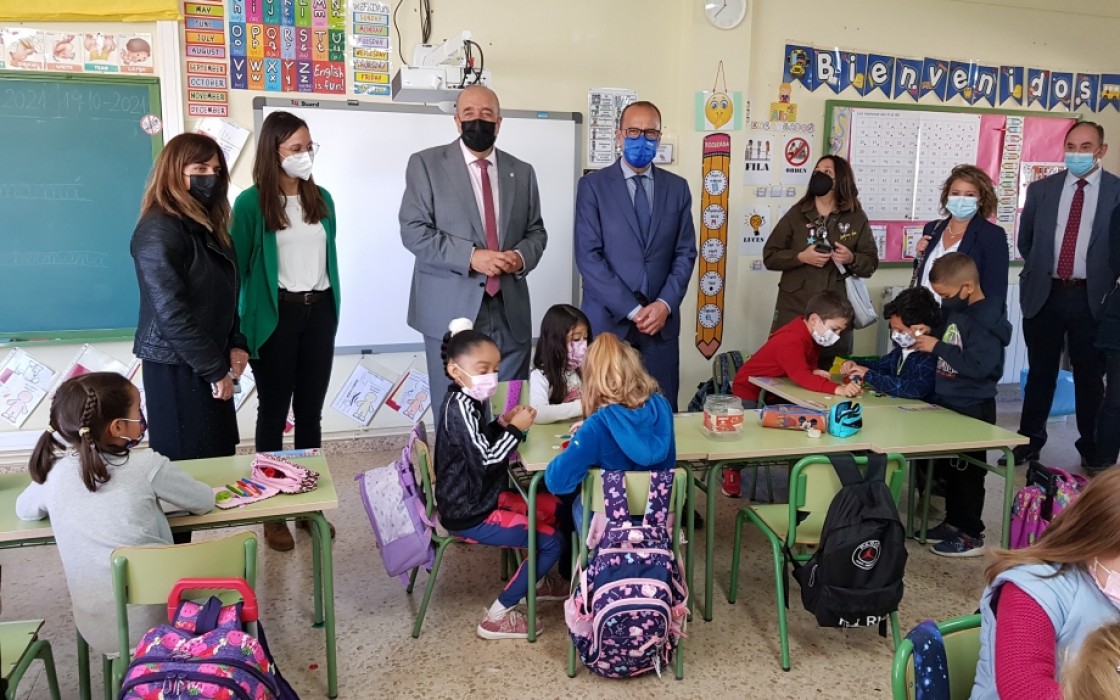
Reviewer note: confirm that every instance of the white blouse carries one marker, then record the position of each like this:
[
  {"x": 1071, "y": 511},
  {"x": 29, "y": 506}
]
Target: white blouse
[
  {"x": 539, "y": 389},
  {"x": 301, "y": 250}
]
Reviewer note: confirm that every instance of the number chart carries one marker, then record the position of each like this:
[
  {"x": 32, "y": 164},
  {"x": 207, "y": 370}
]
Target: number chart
[{"x": 713, "y": 244}]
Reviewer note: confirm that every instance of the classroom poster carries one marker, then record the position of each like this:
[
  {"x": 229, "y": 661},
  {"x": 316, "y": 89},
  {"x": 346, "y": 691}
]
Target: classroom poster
[
  {"x": 758, "y": 168},
  {"x": 23, "y": 48},
  {"x": 757, "y": 223},
  {"x": 716, "y": 110},
  {"x": 99, "y": 53},
  {"x": 231, "y": 137},
  {"x": 412, "y": 395},
  {"x": 284, "y": 46},
  {"x": 90, "y": 359},
  {"x": 879, "y": 235},
  {"x": 604, "y": 109},
  {"x": 24, "y": 383},
  {"x": 797, "y": 161},
  {"x": 136, "y": 54},
  {"x": 370, "y": 39},
  {"x": 363, "y": 393},
  {"x": 63, "y": 54},
  {"x": 206, "y": 53}
]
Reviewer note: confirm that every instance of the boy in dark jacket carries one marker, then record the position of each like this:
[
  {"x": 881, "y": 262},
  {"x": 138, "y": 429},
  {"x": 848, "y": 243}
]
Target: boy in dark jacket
[
  {"x": 903, "y": 372},
  {"x": 969, "y": 364}
]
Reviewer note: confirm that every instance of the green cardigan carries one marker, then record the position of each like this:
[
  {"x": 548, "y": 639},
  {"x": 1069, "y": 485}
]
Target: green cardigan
[{"x": 259, "y": 269}]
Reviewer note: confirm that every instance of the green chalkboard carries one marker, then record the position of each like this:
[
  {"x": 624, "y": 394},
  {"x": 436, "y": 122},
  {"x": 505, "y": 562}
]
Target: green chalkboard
[{"x": 76, "y": 162}]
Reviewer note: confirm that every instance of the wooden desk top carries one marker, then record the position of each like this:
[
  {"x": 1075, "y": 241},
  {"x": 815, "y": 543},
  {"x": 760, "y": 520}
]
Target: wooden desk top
[
  {"x": 216, "y": 472},
  {"x": 931, "y": 431}
]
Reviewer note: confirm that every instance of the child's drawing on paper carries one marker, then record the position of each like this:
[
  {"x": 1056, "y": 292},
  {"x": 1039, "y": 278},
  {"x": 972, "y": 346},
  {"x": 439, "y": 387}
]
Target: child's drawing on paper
[
  {"x": 412, "y": 396},
  {"x": 362, "y": 394},
  {"x": 24, "y": 382}
]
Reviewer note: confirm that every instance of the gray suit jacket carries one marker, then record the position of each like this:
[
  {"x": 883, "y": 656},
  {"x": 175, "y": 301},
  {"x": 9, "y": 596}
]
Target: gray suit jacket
[
  {"x": 441, "y": 226},
  {"x": 1037, "y": 228}
]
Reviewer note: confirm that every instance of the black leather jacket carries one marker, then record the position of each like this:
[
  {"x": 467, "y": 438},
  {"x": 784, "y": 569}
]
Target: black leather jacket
[{"x": 188, "y": 296}]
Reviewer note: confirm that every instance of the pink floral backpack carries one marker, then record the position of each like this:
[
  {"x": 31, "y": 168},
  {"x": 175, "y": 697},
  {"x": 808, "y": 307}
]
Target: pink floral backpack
[
  {"x": 1048, "y": 492},
  {"x": 627, "y": 614},
  {"x": 205, "y": 652}
]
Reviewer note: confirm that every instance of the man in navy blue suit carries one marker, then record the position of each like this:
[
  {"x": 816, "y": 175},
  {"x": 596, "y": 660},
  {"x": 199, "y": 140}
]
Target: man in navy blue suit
[
  {"x": 636, "y": 247},
  {"x": 1064, "y": 241}
]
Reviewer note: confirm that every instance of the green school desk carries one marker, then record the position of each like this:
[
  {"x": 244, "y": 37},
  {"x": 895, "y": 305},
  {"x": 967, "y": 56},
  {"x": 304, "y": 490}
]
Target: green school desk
[
  {"x": 785, "y": 388},
  {"x": 217, "y": 472}
]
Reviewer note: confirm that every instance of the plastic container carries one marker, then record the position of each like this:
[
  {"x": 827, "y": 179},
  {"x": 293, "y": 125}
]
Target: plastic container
[{"x": 723, "y": 416}]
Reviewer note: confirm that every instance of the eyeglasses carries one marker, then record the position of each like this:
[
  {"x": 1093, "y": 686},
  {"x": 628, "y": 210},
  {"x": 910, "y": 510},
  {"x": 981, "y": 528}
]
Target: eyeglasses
[
  {"x": 651, "y": 134},
  {"x": 312, "y": 148}
]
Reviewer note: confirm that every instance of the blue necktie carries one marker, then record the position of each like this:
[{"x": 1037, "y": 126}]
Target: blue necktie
[{"x": 641, "y": 206}]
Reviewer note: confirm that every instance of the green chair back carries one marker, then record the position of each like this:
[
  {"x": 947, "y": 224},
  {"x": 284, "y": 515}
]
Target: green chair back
[
  {"x": 15, "y": 639},
  {"x": 813, "y": 485},
  {"x": 962, "y": 651},
  {"x": 146, "y": 575},
  {"x": 427, "y": 475}
]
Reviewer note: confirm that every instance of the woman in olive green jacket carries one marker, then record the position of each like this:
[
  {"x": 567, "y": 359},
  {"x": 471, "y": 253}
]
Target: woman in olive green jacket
[
  {"x": 825, "y": 230},
  {"x": 284, "y": 233}
]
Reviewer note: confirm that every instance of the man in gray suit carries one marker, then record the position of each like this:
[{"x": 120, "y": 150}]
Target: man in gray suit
[
  {"x": 471, "y": 215},
  {"x": 1064, "y": 241}
]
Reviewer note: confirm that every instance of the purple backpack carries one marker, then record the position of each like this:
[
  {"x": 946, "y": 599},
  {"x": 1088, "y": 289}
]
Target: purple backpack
[
  {"x": 205, "y": 653},
  {"x": 1048, "y": 492},
  {"x": 628, "y": 611},
  {"x": 395, "y": 505}
]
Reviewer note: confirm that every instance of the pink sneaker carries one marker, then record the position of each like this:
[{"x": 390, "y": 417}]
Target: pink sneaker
[
  {"x": 512, "y": 625},
  {"x": 552, "y": 587}
]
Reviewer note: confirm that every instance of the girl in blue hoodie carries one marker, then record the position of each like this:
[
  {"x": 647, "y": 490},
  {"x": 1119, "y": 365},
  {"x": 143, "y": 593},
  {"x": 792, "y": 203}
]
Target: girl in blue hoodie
[{"x": 628, "y": 425}]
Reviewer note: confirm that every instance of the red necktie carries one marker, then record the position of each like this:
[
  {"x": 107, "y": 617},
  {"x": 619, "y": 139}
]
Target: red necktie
[
  {"x": 490, "y": 221},
  {"x": 1073, "y": 225}
]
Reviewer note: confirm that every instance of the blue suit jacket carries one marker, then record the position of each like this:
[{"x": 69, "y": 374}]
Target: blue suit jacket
[
  {"x": 611, "y": 255},
  {"x": 985, "y": 243},
  {"x": 1037, "y": 228}
]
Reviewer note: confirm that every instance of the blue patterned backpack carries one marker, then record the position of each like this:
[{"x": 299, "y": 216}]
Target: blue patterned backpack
[{"x": 627, "y": 613}]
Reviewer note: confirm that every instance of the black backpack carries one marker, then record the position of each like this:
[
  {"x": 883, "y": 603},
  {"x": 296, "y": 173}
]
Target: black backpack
[
  {"x": 855, "y": 577},
  {"x": 724, "y": 368}
]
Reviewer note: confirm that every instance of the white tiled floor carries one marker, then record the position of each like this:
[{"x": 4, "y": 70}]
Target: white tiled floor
[{"x": 734, "y": 655}]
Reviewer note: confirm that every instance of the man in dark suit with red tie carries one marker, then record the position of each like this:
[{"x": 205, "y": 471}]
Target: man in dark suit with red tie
[{"x": 1064, "y": 241}]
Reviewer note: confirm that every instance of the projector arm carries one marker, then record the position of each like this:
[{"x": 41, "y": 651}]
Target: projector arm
[{"x": 431, "y": 56}]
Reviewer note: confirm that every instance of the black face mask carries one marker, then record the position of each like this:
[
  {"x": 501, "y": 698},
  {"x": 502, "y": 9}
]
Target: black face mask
[
  {"x": 954, "y": 304},
  {"x": 207, "y": 189},
  {"x": 820, "y": 184},
  {"x": 479, "y": 135}
]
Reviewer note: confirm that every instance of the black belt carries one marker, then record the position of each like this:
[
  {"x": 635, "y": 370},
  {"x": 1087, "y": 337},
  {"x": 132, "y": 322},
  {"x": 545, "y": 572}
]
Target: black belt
[
  {"x": 1058, "y": 282},
  {"x": 305, "y": 298}
]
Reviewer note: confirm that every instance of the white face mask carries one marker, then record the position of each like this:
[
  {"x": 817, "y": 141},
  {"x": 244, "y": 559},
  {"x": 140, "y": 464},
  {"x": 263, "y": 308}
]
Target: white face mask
[
  {"x": 826, "y": 338},
  {"x": 298, "y": 165},
  {"x": 1111, "y": 585},
  {"x": 904, "y": 340}
]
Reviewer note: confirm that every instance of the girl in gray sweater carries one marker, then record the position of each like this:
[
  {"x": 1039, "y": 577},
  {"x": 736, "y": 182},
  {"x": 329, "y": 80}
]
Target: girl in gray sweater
[{"x": 101, "y": 494}]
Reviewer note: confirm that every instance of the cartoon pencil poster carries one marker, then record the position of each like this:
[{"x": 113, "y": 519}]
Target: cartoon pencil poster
[
  {"x": 412, "y": 395},
  {"x": 99, "y": 53},
  {"x": 63, "y": 52},
  {"x": 136, "y": 53},
  {"x": 23, "y": 48}
]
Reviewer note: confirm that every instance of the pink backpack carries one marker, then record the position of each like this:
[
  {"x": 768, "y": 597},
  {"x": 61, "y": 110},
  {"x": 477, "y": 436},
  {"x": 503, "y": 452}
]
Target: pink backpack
[
  {"x": 397, "y": 512},
  {"x": 1048, "y": 492}
]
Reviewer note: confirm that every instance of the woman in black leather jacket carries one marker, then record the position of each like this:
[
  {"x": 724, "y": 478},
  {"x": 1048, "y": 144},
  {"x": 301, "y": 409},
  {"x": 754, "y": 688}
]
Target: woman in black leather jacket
[{"x": 188, "y": 334}]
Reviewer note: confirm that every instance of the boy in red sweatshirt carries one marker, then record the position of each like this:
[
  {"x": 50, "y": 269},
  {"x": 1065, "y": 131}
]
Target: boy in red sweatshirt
[{"x": 792, "y": 351}]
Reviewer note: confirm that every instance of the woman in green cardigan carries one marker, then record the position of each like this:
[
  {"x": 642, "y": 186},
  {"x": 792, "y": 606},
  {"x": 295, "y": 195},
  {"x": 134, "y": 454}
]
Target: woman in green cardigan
[{"x": 284, "y": 233}]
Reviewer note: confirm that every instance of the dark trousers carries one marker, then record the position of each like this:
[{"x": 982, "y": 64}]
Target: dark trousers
[
  {"x": 1064, "y": 321},
  {"x": 293, "y": 370},
  {"x": 662, "y": 358},
  {"x": 1108, "y": 419},
  {"x": 964, "y": 482},
  {"x": 491, "y": 320}
]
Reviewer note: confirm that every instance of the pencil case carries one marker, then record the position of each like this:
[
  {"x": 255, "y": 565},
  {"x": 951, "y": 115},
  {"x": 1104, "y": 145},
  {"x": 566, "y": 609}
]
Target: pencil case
[
  {"x": 242, "y": 492},
  {"x": 793, "y": 417},
  {"x": 285, "y": 475}
]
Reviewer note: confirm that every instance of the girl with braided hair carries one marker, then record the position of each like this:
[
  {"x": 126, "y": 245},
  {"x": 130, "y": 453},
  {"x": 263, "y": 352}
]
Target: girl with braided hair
[{"x": 101, "y": 493}]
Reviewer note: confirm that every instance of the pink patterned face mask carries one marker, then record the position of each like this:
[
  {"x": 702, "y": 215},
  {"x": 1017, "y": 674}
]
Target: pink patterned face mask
[
  {"x": 1111, "y": 585},
  {"x": 482, "y": 387},
  {"x": 577, "y": 351}
]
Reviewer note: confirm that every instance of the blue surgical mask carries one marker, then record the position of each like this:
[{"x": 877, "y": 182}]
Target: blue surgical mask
[
  {"x": 962, "y": 207},
  {"x": 1080, "y": 163},
  {"x": 639, "y": 151}
]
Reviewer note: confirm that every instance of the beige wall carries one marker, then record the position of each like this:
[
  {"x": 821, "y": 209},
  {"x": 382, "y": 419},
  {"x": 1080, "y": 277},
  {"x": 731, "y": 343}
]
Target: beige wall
[{"x": 546, "y": 55}]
